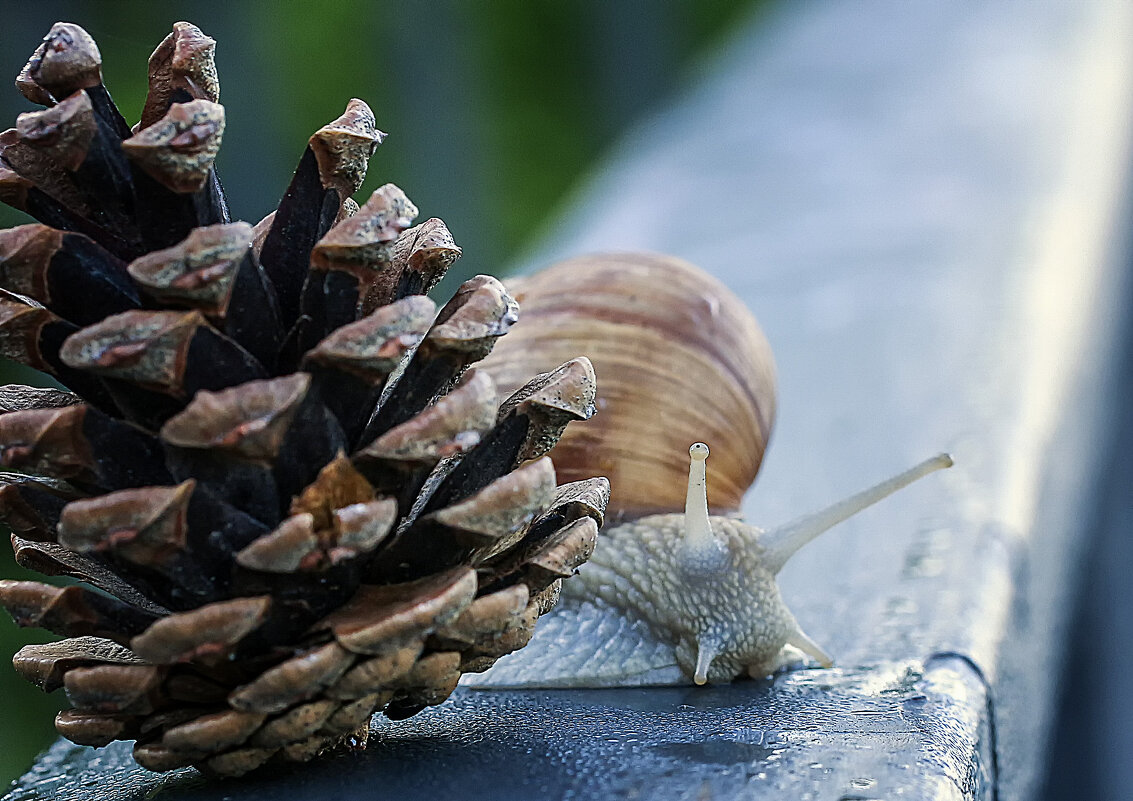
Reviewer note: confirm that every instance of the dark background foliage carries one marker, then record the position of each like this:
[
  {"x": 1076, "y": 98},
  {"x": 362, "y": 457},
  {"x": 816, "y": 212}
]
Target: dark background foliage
[{"x": 495, "y": 112}]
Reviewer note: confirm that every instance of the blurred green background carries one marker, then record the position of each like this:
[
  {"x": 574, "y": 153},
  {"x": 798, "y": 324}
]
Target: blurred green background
[{"x": 495, "y": 111}]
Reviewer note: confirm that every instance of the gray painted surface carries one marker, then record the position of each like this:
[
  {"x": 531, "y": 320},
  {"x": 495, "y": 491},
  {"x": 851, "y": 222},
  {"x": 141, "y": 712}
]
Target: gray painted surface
[
  {"x": 1093, "y": 733},
  {"x": 919, "y": 201}
]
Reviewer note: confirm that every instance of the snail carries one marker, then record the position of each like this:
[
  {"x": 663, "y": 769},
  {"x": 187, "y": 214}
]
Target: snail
[{"x": 673, "y": 593}]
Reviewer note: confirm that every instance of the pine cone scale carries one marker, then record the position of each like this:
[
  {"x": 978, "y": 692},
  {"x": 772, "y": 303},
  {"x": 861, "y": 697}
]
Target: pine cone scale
[
  {"x": 72, "y": 611},
  {"x": 86, "y": 728},
  {"x": 52, "y": 559},
  {"x": 46, "y": 665},
  {"x": 116, "y": 689},
  {"x": 208, "y": 632},
  {"x": 219, "y": 731},
  {"x": 294, "y": 680}
]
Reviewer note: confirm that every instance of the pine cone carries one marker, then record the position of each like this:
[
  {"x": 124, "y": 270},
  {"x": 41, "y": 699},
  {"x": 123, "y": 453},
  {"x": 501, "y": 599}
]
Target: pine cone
[{"x": 297, "y": 503}]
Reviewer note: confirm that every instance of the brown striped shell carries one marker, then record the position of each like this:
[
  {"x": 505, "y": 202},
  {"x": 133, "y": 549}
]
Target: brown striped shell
[{"x": 679, "y": 359}]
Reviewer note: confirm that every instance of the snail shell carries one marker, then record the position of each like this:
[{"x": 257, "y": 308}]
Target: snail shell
[
  {"x": 672, "y": 592},
  {"x": 665, "y": 338}
]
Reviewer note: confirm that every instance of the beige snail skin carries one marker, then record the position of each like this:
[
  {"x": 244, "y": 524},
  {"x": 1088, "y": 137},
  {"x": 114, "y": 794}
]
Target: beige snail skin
[{"x": 679, "y": 598}]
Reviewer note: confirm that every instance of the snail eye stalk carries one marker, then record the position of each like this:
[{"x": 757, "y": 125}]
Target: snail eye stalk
[{"x": 783, "y": 542}]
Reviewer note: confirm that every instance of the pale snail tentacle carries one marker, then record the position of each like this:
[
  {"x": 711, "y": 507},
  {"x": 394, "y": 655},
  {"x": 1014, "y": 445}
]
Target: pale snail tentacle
[
  {"x": 706, "y": 651},
  {"x": 701, "y": 551},
  {"x": 799, "y": 639},
  {"x": 698, "y": 528},
  {"x": 783, "y": 542}
]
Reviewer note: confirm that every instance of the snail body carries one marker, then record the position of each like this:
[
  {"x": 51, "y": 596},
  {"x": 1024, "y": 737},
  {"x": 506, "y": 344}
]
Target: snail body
[
  {"x": 718, "y": 608},
  {"x": 673, "y": 594}
]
